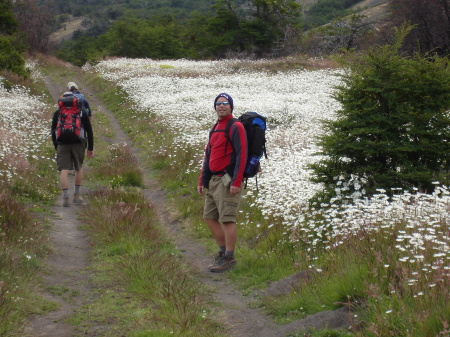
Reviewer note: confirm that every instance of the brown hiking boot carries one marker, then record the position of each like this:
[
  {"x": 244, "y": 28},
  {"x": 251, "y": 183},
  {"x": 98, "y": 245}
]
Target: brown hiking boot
[
  {"x": 226, "y": 263},
  {"x": 77, "y": 199},
  {"x": 220, "y": 255},
  {"x": 66, "y": 202}
]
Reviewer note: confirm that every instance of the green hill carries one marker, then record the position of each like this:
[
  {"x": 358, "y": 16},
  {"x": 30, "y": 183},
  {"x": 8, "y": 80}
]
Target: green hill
[{"x": 97, "y": 15}]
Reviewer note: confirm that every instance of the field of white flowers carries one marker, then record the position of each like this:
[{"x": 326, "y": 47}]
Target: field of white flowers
[
  {"x": 181, "y": 93},
  {"x": 23, "y": 127}
]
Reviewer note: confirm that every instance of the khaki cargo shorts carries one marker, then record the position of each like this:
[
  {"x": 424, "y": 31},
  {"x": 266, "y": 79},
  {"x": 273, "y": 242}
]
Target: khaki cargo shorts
[
  {"x": 70, "y": 156},
  {"x": 219, "y": 203}
]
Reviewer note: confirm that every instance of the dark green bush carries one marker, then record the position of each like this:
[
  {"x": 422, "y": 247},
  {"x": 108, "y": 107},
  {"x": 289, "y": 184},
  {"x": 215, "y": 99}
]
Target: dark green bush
[{"x": 393, "y": 129}]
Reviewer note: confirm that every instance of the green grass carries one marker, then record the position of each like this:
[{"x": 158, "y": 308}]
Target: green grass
[
  {"x": 151, "y": 285},
  {"x": 23, "y": 245},
  {"x": 264, "y": 250},
  {"x": 143, "y": 287},
  {"x": 102, "y": 125},
  {"x": 323, "y": 333},
  {"x": 120, "y": 169},
  {"x": 34, "y": 183}
]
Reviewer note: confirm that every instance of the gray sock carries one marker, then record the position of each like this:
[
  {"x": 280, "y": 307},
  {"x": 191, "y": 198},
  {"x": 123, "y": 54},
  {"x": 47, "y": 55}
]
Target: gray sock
[
  {"x": 65, "y": 193},
  {"x": 77, "y": 189},
  {"x": 222, "y": 249},
  {"x": 229, "y": 254}
]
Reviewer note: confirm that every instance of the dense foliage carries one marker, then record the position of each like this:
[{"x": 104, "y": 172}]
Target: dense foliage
[
  {"x": 254, "y": 28},
  {"x": 223, "y": 30},
  {"x": 431, "y": 19},
  {"x": 199, "y": 29},
  {"x": 36, "y": 24},
  {"x": 138, "y": 8},
  {"x": 394, "y": 126},
  {"x": 11, "y": 58}
]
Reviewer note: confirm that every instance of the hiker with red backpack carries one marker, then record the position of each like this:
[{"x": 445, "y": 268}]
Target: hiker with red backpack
[
  {"x": 71, "y": 129},
  {"x": 221, "y": 179}
]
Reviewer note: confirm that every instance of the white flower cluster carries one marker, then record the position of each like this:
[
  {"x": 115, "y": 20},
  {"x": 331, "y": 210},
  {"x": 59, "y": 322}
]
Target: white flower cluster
[
  {"x": 419, "y": 222},
  {"x": 23, "y": 128},
  {"x": 32, "y": 67}
]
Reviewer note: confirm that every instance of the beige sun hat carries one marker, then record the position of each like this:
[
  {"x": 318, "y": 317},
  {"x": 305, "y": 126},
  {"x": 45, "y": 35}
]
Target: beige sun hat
[{"x": 72, "y": 85}]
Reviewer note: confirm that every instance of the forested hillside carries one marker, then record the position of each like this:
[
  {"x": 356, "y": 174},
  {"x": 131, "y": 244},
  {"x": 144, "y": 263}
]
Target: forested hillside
[
  {"x": 138, "y": 7},
  {"x": 81, "y": 31}
]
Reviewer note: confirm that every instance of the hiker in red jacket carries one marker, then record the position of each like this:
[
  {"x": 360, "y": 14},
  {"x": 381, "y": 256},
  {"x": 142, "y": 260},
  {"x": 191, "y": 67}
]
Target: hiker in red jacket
[
  {"x": 70, "y": 155},
  {"x": 220, "y": 181}
]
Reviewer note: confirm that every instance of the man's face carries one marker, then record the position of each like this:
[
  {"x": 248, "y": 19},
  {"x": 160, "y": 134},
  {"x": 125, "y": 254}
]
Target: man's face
[{"x": 223, "y": 110}]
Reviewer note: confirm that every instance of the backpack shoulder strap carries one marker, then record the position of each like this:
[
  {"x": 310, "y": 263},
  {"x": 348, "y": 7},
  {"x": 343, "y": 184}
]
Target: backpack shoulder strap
[
  {"x": 228, "y": 127},
  {"x": 212, "y": 130},
  {"x": 227, "y": 132}
]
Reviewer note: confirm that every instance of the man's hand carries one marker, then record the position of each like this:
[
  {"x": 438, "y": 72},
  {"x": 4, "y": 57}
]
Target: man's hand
[
  {"x": 234, "y": 190},
  {"x": 200, "y": 189},
  {"x": 90, "y": 154}
]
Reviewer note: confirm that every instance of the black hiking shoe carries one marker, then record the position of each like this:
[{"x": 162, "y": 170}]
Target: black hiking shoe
[
  {"x": 220, "y": 255},
  {"x": 226, "y": 263}
]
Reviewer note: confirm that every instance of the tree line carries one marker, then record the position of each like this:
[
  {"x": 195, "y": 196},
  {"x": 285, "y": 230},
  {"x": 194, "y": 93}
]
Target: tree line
[
  {"x": 227, "y": 28},
  {"x": 263, "y": 28}
]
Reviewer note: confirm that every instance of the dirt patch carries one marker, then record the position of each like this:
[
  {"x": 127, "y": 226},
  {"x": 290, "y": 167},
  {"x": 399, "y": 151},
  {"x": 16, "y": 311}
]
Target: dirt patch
[{"x": 67, "y": 265}]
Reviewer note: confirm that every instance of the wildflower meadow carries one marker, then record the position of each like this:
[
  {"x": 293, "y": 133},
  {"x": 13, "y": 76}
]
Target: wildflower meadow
[
  {"x": 402, "y": 243},
  {"x": 23, "y": 128},
  {"x": 182, "y": 92},
  {"x": 295, "y": 102}
]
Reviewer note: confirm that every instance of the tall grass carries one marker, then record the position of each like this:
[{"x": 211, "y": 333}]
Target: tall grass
[
  {"x": 147, "y": 267},
  {"x": 145, "y": 289},
  {"x": 22, "y": 248},
  {"x": 121, "y": 168}
]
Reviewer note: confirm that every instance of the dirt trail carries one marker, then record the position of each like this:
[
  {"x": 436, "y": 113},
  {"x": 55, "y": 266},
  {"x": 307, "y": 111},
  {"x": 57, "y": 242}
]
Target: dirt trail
[
  {"x": 67, "y": 266},
  {"x": 65, "y": 274}
]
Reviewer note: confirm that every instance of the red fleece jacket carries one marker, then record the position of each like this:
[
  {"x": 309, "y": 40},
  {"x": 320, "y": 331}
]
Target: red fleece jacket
[{"x": 221, "y": 154}]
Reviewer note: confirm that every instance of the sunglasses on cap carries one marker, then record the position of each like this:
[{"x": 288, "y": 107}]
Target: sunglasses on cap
[{"x": 224, "y": 103}]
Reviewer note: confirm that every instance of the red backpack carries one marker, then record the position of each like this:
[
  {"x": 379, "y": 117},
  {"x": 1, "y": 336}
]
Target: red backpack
[{"x": 69, "y": 128}]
